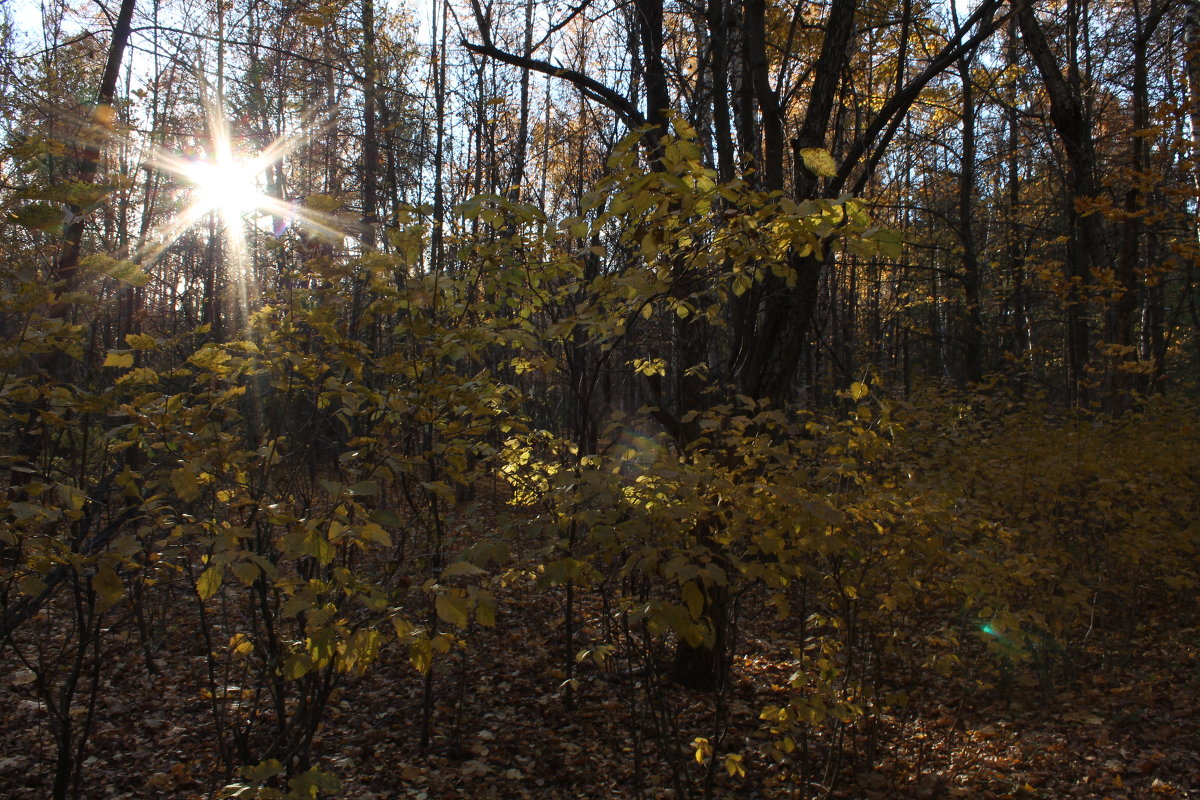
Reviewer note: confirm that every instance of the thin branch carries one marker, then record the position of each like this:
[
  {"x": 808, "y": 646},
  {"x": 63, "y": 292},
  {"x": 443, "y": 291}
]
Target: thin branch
[
  {"x": 270, "y": 48},
  {"x": 575, "y": 11},
  {"x": 893, "y": 111}
]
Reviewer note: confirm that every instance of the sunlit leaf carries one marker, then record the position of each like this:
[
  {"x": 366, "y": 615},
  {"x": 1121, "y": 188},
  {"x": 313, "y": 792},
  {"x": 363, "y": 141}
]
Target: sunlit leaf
[
  {"x": 114, "y": 359},
  {"x": 819, "y": 161}
]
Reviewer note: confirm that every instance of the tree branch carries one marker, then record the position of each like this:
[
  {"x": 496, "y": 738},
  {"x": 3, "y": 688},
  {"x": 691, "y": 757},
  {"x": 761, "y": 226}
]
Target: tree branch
[
  {"x": 893, "y": 111},
  {"x": 589, "y": 86}
]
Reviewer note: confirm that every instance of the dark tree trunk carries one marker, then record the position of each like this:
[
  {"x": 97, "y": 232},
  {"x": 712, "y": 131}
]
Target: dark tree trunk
[
  {"x": 971, "y": 279},
  {"x": 1084, "y": 235},
  {"x": 1121, "y": 311},
  {"x": 1019, "y": 319},
  {"x": 104, "y": 116},
  {"x": 768, "y": 366}
]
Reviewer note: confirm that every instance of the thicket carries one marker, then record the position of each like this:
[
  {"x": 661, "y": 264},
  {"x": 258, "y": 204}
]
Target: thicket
[{"x": 381, "y": 453}]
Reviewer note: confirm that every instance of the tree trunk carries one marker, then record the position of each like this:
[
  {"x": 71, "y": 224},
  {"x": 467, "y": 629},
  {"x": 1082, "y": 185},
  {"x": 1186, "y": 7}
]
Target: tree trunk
[
  {"x": 103, "y": 117},
  {"x": 971, "y": 279},
  {"x": 768, "y": 367},
  {"x": 1084, "y": 236}
]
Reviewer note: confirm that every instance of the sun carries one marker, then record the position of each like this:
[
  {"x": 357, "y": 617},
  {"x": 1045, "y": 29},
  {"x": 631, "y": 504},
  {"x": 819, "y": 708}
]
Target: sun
[
  {"x": 226, "y": 182},
  {"x": 226, "y": 185}
]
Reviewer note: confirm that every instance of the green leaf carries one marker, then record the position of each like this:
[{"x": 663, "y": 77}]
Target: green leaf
[
  {"x": 42, "y": 216},
  {"x": 125, "y": 271},
  {"x": 384, "y": 516},
  {"x": 32, "y": 586}
]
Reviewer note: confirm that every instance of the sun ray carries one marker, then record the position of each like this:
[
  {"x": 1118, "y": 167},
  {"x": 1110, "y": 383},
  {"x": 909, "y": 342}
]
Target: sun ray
[{"x": 225, "y": 182}]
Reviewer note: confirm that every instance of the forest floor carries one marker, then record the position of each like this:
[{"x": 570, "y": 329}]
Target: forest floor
[{"x": 1117, "y": 728}]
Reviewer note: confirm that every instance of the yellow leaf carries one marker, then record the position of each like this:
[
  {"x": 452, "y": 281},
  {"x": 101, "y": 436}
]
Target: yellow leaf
[
  {"x": 693, "y": 597},
  {"x": 485, "y": 608},
  {"x": 461, "y": 568},
  {"x": 453, "y": 609},
  {"x": 140, "y": 341},
  {"x": 649, "y": 246},
  {"x": 372, "y": 532},
  {"x": 420, "y": 653},
  {"x": 733, "y": 765},
  {"x": 118, "y": 360},
  {"x": 209, "y": 583},
  {"x": 858, "y": 391},
  {"x": 297, "y": 666},
  {"x": 73, "y": 497},
  {"x": 105, "y": 115},
  {"x": 321, "y": 202},
  {"x": 142, "y": 375},
  {"x": 403, "y": 627},
  {"x": 819, "y": 161},
  {"x": 241, "y": 644}
]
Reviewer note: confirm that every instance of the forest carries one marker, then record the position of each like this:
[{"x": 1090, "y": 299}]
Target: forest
[{"x": 599, "y": 399}]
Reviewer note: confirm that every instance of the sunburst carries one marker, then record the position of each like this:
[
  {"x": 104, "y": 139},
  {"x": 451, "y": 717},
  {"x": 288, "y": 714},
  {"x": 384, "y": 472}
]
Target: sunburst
[{"x": 227, "y": 183}]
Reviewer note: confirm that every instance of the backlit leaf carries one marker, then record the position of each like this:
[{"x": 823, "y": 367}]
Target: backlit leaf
[
  {"x": 819, "y": 161},
  {"x": 209, "y": 582}
]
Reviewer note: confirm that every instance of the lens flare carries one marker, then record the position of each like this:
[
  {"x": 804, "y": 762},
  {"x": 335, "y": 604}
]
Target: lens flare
[{"x": 227, "y": 184}]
